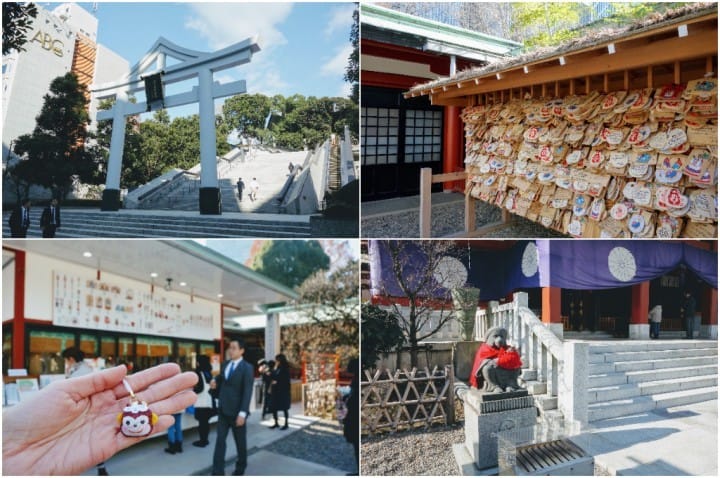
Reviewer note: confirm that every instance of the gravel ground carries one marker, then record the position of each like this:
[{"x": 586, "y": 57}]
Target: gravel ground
[
  {"x": 449, "y": 219},
  {"x": 321, "y": 442},
  {"x": 414, "y": 452}
]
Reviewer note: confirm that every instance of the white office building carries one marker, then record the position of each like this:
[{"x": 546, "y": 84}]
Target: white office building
[{"x": 61, "y": 40}]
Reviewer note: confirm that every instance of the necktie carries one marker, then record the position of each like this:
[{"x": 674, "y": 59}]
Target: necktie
[
  {"x": 25, "y": 217},
  {"x": 232, "y": 369},
  {"x": 52, "y": 215}
]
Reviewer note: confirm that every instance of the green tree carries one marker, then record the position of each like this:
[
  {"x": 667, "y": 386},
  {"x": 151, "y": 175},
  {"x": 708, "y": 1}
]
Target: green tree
[
  {"x": 381, "y": 334},
  {"x": 290, "y": 262},
  {"x": 352, "y": 71},
  {"x": 17, "y": 19},
  {"x": 333, "y": 297},
  {"x": 56, "y": 146},
  {"x": 247, "y": 113},
  {"x": 545, "y": 23}
]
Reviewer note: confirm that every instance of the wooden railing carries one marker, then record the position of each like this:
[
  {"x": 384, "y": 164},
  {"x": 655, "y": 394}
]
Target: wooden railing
[
  {"x": 427, "y": 179},
  {"x": 401, "y": 400}
]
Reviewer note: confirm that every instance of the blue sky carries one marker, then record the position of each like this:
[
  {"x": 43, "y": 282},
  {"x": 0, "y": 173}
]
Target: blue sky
[{"x": 304, "y": 46}]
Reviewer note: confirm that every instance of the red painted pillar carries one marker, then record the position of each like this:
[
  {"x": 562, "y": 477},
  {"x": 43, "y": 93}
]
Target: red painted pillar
[
  {"x": 639, "y": 327},
  {"x": 709, "y": 326},
  {"x": 18, "y": 325},
  {"x": 452, "y": 145},
  {"x": 551, "y": 310}
]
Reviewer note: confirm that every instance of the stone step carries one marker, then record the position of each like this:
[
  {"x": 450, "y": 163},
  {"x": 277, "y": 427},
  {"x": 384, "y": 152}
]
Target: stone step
[
  {"x": 108, "y": 224},
  {"x": 546, "y": 402},
  {"x": 671, "y": 373},
  {"x": 132, "y": 232},
  {"x": 212, "y": 225},
  {"x": 617, "y": 378},
  {"x": 650, "y": 355},
  {"x": 629, "y": 390},
  {"x": 653, "y": 364},
  {"x": 110, "y": 218},
  {"x": 646, "y": 403},
  {"x": 536, "y": 388},
  {"x": 587, "y": 335},
  {"x": 647, "y": 345}
]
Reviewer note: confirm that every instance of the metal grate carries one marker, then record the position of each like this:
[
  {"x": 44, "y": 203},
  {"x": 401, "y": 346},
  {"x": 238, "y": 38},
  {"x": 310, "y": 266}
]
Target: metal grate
[{"x": 533, "y": 458}]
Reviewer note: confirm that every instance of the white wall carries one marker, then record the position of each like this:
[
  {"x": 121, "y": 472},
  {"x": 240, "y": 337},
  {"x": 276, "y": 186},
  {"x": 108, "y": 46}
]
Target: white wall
[
  {"x": 8, "y": 292},
  {"x": 39, "y": 295},
  {"x": 450, "y": 331}
]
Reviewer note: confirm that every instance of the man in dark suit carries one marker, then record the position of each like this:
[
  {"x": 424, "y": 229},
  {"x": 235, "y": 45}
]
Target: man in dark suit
[
  {"x": 233, "y": 386},
  {"x": 50, "y": 219},
  {"x": 20, "y": 220}
]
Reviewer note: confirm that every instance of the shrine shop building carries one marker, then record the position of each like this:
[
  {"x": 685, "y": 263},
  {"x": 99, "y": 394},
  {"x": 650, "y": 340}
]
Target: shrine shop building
[
  {"x": 135, "y": 302},
  {"x": 600, "y": 289},
  {"x": 402, "y": 135},
  {"x": 665, "y": 61}
]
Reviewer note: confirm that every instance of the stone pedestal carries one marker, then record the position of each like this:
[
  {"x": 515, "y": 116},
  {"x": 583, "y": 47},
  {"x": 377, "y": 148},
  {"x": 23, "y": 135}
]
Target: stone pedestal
[
  {"x": 210, "y": 201},
  {"x": 639, "y": 331},
  {"x": 486, "y": 415},
  {"x": 110, "y": 200}
]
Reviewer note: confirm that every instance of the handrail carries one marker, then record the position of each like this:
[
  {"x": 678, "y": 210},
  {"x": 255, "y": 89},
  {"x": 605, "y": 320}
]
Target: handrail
[
  {"x": 540, "y": 348},
  {"x": 347, "y": 166}
]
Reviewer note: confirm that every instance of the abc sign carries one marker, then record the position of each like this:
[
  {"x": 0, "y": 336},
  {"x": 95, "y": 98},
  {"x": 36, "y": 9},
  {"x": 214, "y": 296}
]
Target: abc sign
[{"x": 47, "y": 43}]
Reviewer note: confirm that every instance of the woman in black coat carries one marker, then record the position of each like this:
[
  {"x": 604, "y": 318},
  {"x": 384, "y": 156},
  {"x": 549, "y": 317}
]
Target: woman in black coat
[
  {"x": 204, "y": 405},
  {"x": 267, "y": 378},
  {"x": 280, "y": 391},
  {"x": 351, "y": 423}
]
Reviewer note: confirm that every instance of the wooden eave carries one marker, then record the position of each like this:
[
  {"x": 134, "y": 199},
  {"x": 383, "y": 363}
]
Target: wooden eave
[{"x": 646, "y": 47}]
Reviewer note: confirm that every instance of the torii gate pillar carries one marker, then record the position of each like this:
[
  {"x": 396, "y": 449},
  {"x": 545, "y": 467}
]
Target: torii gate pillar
[{"x": 210, "y": 201}]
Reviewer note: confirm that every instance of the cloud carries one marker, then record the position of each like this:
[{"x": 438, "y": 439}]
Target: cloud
[
  {"x": 340, "y": 19},
  {"x": 223, "y": 24},
  {"x": 345, "y": 90},
  {"x": 267, "y": 81},
  {"x": 337, "y": 64}
]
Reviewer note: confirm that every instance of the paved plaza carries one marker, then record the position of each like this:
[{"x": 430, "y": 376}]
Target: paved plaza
[{"x": 148, "y": 457}]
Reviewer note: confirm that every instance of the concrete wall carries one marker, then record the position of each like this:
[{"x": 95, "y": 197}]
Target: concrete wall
[{"x": 449, "y": 332}]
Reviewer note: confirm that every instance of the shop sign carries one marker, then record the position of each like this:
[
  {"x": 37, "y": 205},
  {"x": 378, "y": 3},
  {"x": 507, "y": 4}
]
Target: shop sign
[{"x": 48, "y": 43}]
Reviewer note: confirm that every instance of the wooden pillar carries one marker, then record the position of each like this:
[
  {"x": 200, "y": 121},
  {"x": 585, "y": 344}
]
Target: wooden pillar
[
  {"x": 425, "y": 202},
  {"x": 551, "y": 308},
  {"x": 18, "y": 324},
  {"x": 452, "y": 145},
  {"x": 639, "y": 327},
  {"x": 469, "y": 213}
]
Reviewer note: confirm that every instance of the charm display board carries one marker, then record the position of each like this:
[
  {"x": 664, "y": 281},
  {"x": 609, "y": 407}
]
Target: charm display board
[
  {"x": 639, "y": 163},
  {"x": 96, "y": 304}
]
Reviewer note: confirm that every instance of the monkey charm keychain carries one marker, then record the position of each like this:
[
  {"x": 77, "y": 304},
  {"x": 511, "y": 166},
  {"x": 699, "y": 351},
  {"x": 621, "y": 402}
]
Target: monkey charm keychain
[{"x": 136, "y": 419}]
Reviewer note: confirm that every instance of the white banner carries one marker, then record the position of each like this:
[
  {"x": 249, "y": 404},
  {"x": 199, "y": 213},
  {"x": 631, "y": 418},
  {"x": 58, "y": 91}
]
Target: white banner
[{"x": 98, "y": 304}]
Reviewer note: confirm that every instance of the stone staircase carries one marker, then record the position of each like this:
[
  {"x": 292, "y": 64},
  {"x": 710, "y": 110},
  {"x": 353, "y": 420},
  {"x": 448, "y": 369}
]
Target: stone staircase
[
  {"x": 587, "y": 335},
  {"x": 547, "y": 404},
  {"x": 628, "y": 377},
  {"x": 334, "y": 177},
  {"x": 90, "y": 223},
  {"x": 639, "y": 376},
  {"x": 270, "y": 167}
]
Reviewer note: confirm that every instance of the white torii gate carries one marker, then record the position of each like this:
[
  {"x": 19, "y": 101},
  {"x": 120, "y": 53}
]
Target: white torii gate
[{"x": 192, "y": 64}]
